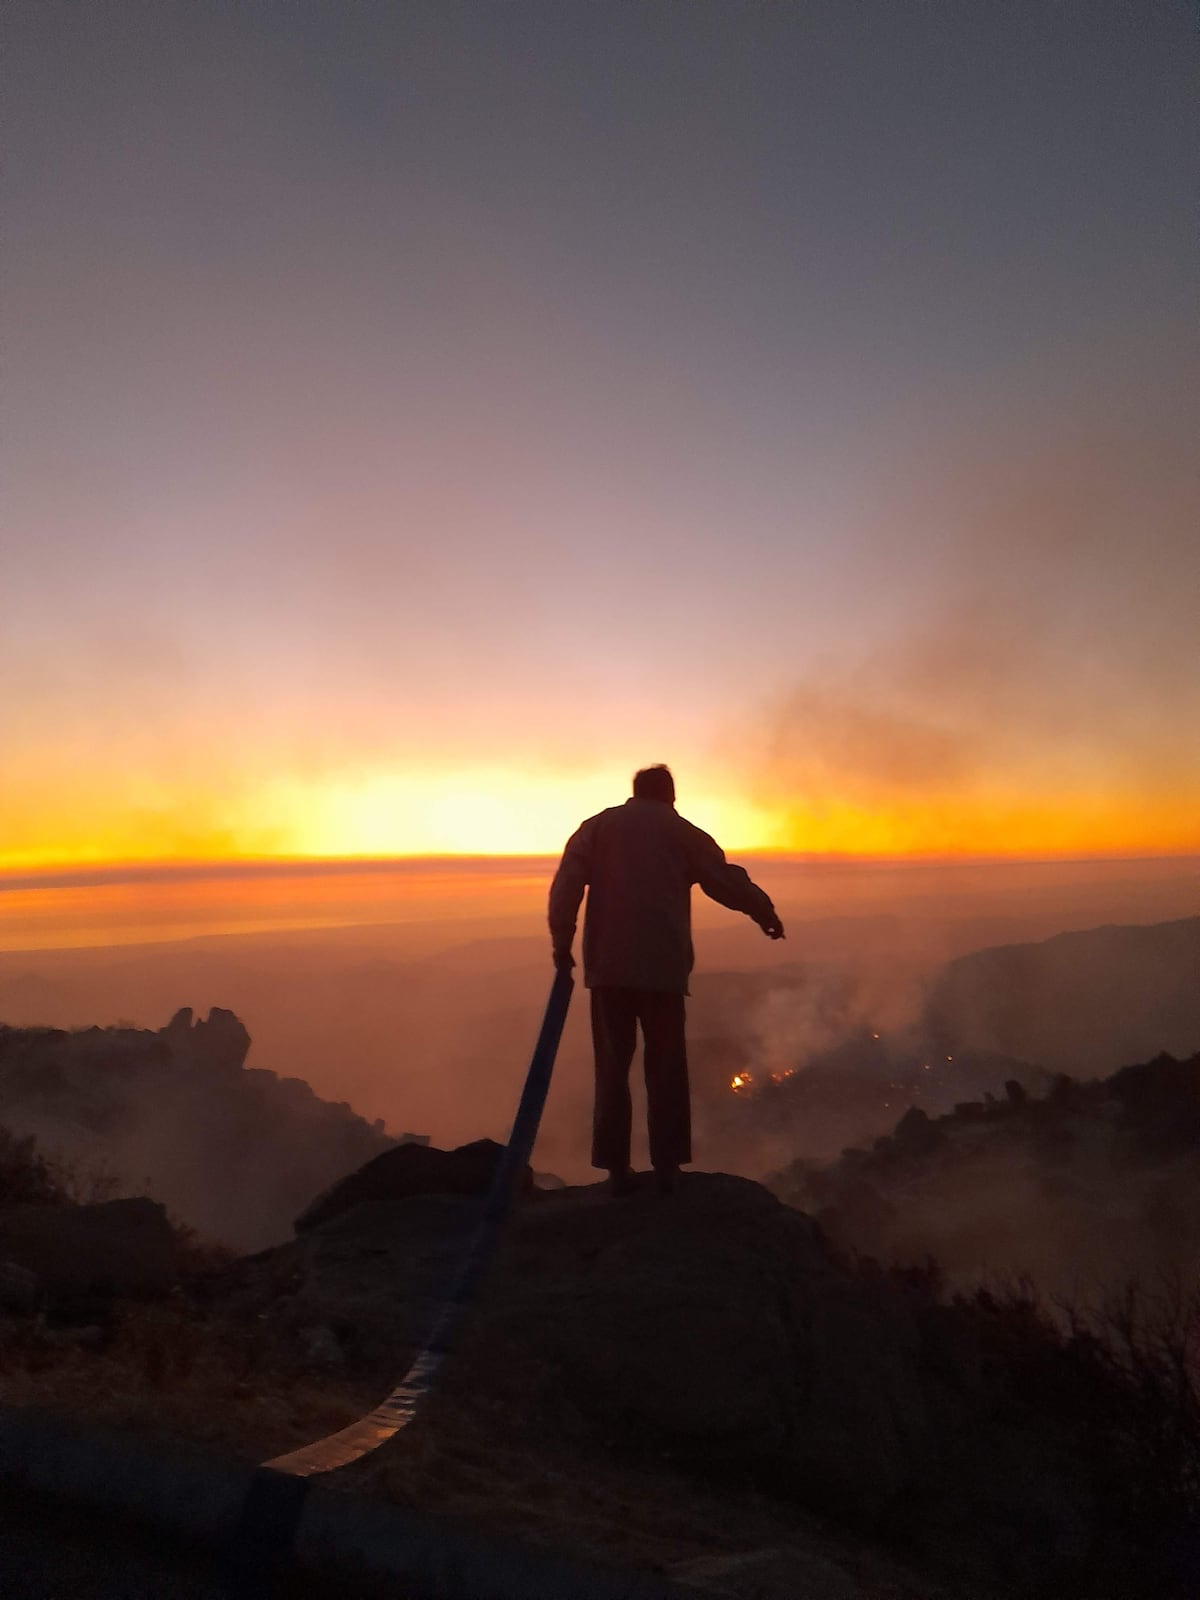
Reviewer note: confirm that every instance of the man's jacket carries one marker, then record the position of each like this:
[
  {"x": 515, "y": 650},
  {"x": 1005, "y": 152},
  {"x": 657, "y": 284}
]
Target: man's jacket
[{"x": 638, "y": 863}]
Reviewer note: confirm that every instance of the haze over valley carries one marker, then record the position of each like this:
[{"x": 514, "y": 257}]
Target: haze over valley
[{"x": 425, "y": 1022}]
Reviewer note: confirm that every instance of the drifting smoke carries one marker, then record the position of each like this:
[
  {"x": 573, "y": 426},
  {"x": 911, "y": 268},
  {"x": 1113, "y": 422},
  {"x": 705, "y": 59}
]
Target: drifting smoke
[
  {"x": 824, "y": 1006},
  {"x": 234, "y": 1153},
  {"x": 790, "y": 1025},
  {"x": 1043, "y": 695},
  {"x": 1084, "y": 1188}
]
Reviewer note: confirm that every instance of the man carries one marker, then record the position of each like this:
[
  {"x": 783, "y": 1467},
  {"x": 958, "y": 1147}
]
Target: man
[{"x": 638, "y": 863}]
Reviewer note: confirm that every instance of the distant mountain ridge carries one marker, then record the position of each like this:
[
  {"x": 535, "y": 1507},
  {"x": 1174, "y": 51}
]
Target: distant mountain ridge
[{"x": 1082, "y": 1003}]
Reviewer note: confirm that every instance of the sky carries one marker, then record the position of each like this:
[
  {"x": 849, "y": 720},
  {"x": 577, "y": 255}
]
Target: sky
[{"x": 419, "y": 416}]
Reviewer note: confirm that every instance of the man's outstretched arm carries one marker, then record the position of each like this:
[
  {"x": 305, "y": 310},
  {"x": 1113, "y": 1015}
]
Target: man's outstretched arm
[
  {"x": 566, "y": 892},
  {"x": 732, "y": 886}
]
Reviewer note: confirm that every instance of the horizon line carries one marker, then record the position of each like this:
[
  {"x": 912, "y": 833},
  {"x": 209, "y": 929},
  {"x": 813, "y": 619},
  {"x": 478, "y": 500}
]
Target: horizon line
[{"x": 67, "y": 875}]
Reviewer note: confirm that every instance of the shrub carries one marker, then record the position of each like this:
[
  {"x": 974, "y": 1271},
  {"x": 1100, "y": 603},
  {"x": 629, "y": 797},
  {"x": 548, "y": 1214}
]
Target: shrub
[
  {"x": 1121, "y": 1382},
  {"x": 26, "y": 1177}
]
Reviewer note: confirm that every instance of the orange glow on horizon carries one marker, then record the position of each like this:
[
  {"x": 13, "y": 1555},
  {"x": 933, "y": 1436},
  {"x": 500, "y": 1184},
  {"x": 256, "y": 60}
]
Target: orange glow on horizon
[
  {"x": 147, "y": 902},
  {"x": 886, "y": 838},
  {"x": 413, "y": 814},
  {"x": 491, "y": 813},
  {"x": 1000, "y": 827}
]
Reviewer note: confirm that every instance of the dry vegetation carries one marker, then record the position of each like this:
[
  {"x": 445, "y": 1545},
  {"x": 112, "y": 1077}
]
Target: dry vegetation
[
  {"x": 162, "y": 1366},
  {"x": 1121, "y": 1382}
]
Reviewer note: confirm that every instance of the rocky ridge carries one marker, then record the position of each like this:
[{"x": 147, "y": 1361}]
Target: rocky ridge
[
  {"x": 718, "y": 1329},
  {"x": 1083, "y": 1189},
  {"x": 234, "y": 1151}
]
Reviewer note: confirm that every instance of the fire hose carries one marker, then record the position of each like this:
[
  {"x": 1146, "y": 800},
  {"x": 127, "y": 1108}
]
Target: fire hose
[{"x": 275, "y": 1500}]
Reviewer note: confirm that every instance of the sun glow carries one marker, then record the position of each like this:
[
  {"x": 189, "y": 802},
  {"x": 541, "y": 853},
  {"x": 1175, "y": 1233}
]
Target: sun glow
[
  {"x": 493, "y": 810},
  {"x": 483, "y": 811}
]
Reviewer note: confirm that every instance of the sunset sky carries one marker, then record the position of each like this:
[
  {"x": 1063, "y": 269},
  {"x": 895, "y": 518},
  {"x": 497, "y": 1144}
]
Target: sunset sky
[{"x": 418, "y": 415}]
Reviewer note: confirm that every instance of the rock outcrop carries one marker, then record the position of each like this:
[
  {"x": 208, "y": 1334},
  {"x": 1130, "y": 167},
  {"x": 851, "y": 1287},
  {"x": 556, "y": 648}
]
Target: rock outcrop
[
  {"x": 231, "y": 1150},
  {"x": 408, "y": 1169},
  {"x": 716, "y": 1327},
  {"x": 219, "y": 1041}
]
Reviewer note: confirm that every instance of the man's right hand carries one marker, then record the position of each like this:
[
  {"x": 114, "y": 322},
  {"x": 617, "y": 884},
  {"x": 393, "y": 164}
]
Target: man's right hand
[
  {"x": 563, "y": 959},
  {"x": 773, "y": 929}
]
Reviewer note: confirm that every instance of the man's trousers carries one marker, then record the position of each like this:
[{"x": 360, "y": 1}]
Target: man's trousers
[{"x": 616, "y": 1014}]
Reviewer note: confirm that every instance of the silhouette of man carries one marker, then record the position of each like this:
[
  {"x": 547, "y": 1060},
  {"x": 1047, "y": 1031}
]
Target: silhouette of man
[{"x": 638, "y": 862}]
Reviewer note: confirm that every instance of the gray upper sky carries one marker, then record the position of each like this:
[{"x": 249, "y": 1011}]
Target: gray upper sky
[{"x": 401, "y": 388}]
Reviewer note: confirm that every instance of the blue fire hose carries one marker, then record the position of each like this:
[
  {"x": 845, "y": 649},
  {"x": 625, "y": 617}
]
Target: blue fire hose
[{"x": 275, "y": 1500}]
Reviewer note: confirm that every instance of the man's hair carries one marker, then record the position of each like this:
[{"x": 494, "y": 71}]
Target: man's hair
[{"x": 654, "y": 783}]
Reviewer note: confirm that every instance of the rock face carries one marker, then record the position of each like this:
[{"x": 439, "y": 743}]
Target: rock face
[
  {"x": 233, "y": 1151},
  {"x": 220, "y": 1041},
  {"x": 716, "y": 1326},
  {"x": 408, "y": 1169}
]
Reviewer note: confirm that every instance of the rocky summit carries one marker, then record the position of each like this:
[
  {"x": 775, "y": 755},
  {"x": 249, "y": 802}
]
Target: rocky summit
[
  {"x": 717, "y": 1328},
  {"x": 628, "y": 1361},
  {"x": 407, "y": 1169}
]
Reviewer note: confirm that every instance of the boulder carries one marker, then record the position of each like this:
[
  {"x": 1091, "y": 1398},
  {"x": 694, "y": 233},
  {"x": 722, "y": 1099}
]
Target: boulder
[
  {"x": 404, "y": 1171},
  {"x": 718, "y": 1326},
  {"x": 116, "y": 1247},
  {"x": 715, "y": 1327},
  {"x": 220, "y": 1041}
]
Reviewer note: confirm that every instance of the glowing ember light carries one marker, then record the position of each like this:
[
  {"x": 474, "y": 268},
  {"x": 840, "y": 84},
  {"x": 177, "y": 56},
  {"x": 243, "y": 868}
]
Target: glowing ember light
[
  {"x": 874, "y": 1036},
  {"x": 949, "y": 1058},
  {"x": 740, "y": 1081}
]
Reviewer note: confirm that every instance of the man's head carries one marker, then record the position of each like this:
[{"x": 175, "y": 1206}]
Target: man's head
[{"x": 654, "y": 783}]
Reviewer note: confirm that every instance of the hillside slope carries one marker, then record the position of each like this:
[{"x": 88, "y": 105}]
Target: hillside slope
[
  {"x": 1085, "y": 1189},
  {"x": 233, "y": 1151},
  {"x": 697, "y": 1384},
  {"x": 1082, "y": 1003}
]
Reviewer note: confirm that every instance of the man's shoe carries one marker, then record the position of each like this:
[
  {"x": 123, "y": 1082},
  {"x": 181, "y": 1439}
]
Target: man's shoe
[
  {"x": 665, "y": 1179},
  {"x": 622, "y": 1182}
]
